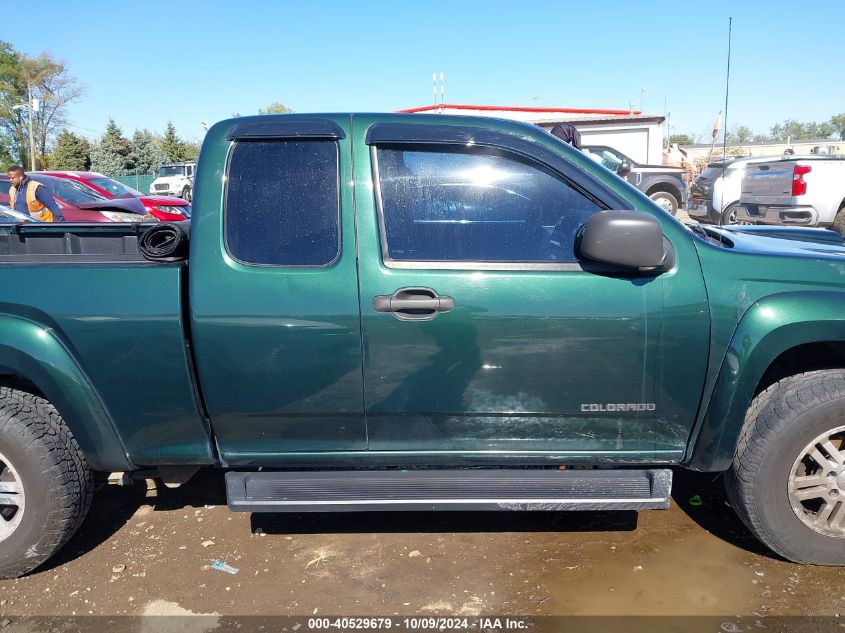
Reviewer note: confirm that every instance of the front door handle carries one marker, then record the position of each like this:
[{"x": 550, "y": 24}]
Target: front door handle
[{"x": 413, "y": 304}]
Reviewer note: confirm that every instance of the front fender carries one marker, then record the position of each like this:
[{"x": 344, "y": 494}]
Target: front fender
[
  {"x": 36, "y": 352},
  {"x": 770, "y": 327}
]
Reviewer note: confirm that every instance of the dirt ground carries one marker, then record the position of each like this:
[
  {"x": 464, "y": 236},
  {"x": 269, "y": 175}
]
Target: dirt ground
[{"x": 146, "y": 551}]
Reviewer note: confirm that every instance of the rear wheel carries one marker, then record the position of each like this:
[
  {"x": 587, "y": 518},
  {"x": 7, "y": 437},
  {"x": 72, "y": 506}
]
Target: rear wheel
[
  {"x": 787, "y": 480},
  {"x": 839, "y": 221},
  {"x": 45, "y": 483},
  {"x": 666, "y": 200}
]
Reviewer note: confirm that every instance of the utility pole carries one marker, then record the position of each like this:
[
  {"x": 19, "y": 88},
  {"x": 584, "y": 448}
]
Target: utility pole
[{"x": 31, "y": 110}]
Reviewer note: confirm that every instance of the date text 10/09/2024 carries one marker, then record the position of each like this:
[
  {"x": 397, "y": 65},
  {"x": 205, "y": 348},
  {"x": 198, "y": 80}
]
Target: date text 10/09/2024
[{"x": 416, "y": 624}]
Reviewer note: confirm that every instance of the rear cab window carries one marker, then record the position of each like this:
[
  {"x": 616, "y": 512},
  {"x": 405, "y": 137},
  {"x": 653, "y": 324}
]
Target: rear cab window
[{"x": 283, "y": 203}]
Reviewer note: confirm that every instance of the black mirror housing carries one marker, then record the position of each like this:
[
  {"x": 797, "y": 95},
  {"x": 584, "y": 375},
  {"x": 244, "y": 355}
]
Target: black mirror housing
[{"x": 626, "y": 240}]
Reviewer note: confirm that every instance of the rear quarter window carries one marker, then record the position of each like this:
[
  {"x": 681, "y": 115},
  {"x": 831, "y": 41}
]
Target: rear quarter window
[{"x": 282, "y": 203}]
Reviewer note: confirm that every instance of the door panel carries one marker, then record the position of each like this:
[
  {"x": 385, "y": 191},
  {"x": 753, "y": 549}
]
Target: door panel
[
  {"x": 537, "y": 355},
  {"x": 275, "y": 314}
]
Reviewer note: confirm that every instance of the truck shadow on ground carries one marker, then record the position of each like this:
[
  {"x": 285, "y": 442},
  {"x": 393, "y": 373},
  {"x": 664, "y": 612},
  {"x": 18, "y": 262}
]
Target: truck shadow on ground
[
  {"x": 703, "y": 499},
  {"x": 442, "y": 521}
]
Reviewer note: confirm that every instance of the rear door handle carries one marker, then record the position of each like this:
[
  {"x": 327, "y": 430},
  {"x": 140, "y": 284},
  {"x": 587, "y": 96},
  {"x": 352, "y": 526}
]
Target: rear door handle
[{"x": 414, "y": 304}]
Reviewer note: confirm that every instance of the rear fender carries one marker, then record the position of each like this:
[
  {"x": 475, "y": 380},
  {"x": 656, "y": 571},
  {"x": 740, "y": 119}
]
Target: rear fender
[
  {"x": 769, "y": 328},
  {"x": 35, "y": 352}
]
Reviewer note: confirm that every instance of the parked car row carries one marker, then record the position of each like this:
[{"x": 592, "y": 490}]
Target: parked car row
[
  {"x": 93, "y": 197},
  {"x": 804, "y": 191}
]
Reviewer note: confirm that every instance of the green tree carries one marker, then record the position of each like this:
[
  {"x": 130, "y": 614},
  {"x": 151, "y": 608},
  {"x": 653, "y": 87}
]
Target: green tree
[
  {"x": 681, "y": 139},
  {"x": 276, "y": 107},
  {"x": 173, "y": 147},
  {"x": 72, "y": 152},
  {"x": 790, "y": 129},
  {"x": 176, "y": 149},
  {"x": 47, "y": 81},
  {"x": 814, "y": 130},
  {"x": 146, "y": 154},
  {"x": 55, "y": 89},
  {"x": 743, "y": 134},
  {"x": 838, "y": 123},
  {"x": 110, "y": 156},
  {"x": 192, "y": 151},
  {"x": 13, "y": 122}
]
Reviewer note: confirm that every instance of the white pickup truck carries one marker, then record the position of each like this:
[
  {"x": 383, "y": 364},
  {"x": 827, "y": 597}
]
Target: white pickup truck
[{"x": 796, "y": 191}]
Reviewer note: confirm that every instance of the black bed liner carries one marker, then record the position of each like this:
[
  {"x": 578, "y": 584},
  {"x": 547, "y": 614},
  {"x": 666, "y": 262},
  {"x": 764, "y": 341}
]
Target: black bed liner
[{"x": 70, "y": 243}]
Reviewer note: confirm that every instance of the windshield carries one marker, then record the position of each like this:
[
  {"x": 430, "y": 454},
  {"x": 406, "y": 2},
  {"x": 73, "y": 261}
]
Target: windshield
[
  {"x": 171, "y": 170},
  {"x": 605, "y": 157},
  {"x": 70, "y": 191},
  {"x": 115, "y": 188}
]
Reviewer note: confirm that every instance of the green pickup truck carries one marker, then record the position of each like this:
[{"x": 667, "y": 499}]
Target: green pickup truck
[{"x": 422, "y": 312}]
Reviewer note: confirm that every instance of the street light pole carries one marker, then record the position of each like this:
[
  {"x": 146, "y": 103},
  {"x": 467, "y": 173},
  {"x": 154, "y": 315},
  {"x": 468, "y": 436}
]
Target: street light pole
[{"x": 31, "y": 129}]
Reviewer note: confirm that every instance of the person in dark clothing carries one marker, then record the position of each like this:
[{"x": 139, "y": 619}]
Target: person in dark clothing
[
  {"x": 31, "y": 197},
  {"x": 568, "y": 134}
]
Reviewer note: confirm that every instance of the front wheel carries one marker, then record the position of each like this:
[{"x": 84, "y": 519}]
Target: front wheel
[
  {"x": 186, "y": 194},
  {"x": 666, "y": 200},
  {"x": 45, "y": 483},
  {"x": 787, "y": 480}
]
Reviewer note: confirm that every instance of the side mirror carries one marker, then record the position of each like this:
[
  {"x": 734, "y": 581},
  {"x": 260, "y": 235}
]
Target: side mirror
[
  {"x": 625, "y": 240},
  {"x": 623, "y": 170}
]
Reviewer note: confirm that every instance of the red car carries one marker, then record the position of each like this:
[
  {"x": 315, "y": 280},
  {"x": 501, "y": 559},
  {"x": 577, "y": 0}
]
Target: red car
[
  {"x": 164, "y": 208},
  {"x": 80, "y": 203}
]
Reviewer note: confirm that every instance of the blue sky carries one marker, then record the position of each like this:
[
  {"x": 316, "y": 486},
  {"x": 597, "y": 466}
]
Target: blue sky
[{"x": 189, "y": 61}]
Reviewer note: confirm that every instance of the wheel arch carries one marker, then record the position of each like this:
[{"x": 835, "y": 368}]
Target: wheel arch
[
  {"x": 778, "y": 336},
  {"x": 666, "y": 185},
  {"x": 34, "y": 358}
]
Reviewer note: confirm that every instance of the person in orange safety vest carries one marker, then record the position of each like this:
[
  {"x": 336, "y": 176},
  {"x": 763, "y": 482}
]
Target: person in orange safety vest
[{"x": 37, "y": 200}]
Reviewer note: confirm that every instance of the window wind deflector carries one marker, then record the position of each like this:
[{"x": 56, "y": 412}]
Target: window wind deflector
[
  {"x": 425, "y": 134},
  {"x": 300, "y": 129}
]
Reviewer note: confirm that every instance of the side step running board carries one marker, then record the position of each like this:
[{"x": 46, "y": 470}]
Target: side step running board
[{"x": 349, "y": 491}]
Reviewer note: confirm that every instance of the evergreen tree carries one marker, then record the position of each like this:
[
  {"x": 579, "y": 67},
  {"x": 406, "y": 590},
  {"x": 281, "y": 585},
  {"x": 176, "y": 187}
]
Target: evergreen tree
[
  {"x": 146, "y": 154},
  {"x": 172, "y": 145},
  {"x": 72, "y": 152},
  {"x": 110, "y": 156}
]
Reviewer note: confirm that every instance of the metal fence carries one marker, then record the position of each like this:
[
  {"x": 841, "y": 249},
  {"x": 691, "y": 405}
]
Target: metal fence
[{"x": 140, "y": 182}]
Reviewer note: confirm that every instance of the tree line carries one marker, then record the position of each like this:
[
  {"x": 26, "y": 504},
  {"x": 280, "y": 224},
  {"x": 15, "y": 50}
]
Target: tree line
[
  {"x": 113, "y": 154},
  {"x": 788, "y": 130}
]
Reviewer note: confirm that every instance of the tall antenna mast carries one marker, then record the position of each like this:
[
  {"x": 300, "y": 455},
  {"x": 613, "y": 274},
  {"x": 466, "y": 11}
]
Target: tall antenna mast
[
  {"x": 725, "y": 135},
  {"x": 434, "y": 87},
  {"x": 727, "y": 91}
]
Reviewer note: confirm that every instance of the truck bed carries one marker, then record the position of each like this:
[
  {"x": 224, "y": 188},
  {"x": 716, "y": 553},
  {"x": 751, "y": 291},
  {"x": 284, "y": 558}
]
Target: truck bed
[{"x": 120, "y": 318}]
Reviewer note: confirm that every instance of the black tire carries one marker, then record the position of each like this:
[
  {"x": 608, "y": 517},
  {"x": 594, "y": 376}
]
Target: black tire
[
  {"x": 186, "y": 194},
  {"x": 729, "y": 215},
  {"x": 839, "y": 221},
  {"x": 666, "y": 200},
  {"x": 55, "y": 478},
  {"x": 781, "y": 422}
]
